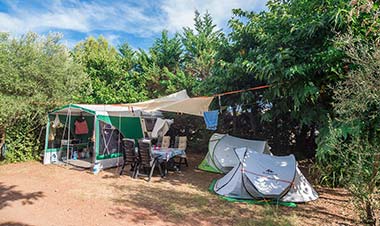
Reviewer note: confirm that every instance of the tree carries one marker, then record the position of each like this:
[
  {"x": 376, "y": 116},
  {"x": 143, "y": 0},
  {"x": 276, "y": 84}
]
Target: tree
[
  {"x": 162, "y": 67},
  {"x": 109, "y": 71},
  {"x": 167, "y": 52},
  {"x": 296, "y": 55},
  {"x": 36, "y": 75},
  {"x": 349, "y": 147},
  {"x": 291, "y": 48},
  {"x": 201, "y": 46}
]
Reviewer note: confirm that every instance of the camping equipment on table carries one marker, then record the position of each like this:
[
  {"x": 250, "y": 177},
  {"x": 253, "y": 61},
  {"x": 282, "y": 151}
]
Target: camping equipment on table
[
  {"x": 165, "y": 154},
  {"x": 262, "y": 176},
  {"x": 221, "y": 157}
]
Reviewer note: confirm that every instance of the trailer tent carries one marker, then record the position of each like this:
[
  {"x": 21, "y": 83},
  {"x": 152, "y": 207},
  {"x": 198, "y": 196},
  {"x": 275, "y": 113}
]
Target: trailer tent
[{"x": 106, "y": 126}]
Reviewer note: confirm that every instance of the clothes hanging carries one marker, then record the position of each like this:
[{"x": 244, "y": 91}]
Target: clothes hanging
[
  {"x": 211, "y": 119},
  {"x": 81, "y": 127},
  {"x": 52, "y": 133},
  {"x": 56, "y": 122}
]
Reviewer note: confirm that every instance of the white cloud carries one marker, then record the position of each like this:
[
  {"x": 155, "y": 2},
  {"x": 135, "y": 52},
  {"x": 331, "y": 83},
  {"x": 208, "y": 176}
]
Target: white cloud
[
  {"x": 113, "y": 39},
  {"x": 180, "y": 13},
  {"x": 82, "y": 17},
  {"x": 142, "y": 19},
  {"x": 8, "y": 23}
]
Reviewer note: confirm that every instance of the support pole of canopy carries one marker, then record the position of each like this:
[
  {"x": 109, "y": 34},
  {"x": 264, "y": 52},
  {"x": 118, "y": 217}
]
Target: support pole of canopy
[
  {"x": 46, "y": 137},
  {"x": 119, "y": 141},
  {"x": 97, "y": 138},
  {"x": 68, "y": 138},
  {"x": 93, "y": 140}
]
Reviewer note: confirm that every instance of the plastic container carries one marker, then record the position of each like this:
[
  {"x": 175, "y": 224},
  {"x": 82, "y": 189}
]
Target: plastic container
[
  {"x": 75, "y": 155},
  {"x": 96, "y": 168}
]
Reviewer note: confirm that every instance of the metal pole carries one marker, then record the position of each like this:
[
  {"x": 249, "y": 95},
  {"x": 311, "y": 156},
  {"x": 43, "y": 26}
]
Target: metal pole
[
  {"x": 68, "y": 138},
  {"x": 95, "y": 136}
]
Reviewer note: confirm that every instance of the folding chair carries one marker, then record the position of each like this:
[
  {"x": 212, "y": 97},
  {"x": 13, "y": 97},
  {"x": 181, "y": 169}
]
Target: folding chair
[
  {"x": 181, "y": 143},
  {"x": 147, "y": 160},
  {"x": 129, "y": 155},
  {"x": 165, "y": 142}
]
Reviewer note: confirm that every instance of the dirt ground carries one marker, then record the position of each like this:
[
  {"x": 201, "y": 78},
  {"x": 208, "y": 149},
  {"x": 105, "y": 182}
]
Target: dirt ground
[{"x": 32, "y": 194}]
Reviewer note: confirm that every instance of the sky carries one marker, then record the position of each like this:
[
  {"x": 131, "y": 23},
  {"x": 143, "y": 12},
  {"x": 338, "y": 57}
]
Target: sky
[{"x": 136, "y": 22}]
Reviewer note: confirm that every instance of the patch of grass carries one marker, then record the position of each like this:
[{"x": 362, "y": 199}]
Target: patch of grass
[{"x": 269, "y": 216}]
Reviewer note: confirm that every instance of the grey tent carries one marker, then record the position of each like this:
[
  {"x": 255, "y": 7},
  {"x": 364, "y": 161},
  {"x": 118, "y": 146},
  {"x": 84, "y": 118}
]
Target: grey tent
[
  {"x": 262, "y": 176},
  {"x": 221, "y": 157}
]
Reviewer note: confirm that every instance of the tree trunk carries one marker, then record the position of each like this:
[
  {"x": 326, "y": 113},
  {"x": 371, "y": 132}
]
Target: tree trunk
[
  {"x": 234, "y": 120},
  {"x": 370, "y": 213},
  {"x": 251, "y": 116},
  {"x": 2, "y": 142},
  {"x": 301, "y": 138}
]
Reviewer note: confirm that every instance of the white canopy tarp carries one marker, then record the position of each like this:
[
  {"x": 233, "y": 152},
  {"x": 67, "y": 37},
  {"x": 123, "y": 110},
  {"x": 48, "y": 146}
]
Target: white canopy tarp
[{"x": 178, "y": 102}]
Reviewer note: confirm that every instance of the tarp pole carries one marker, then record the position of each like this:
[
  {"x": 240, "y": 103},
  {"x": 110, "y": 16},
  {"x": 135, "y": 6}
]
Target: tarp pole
[
  {"x": 68, "y": 138},
  {"x": 46, "y": 140},
  {"x": 97, "y": 138},
  {"x": 93, "y": 139},
  {"x": 119, "y": 141}
]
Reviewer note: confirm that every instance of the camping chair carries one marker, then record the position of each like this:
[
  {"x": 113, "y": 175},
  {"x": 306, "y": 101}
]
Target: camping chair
[
  {"x": 147, "y": 160},
  {"x": 165, "y": 142},
  {"x": 181, "y": 143},
  {"x": 129, "y": 155}
]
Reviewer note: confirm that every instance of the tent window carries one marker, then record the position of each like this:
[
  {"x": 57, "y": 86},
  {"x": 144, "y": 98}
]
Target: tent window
[{"x": 110, "y": 139}]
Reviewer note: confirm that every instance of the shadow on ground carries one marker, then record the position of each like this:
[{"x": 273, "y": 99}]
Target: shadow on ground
[
  {"x": 9, "y": 223},
  {"x": 9, "y": 194},
  {"x": 183, "y": 197}
]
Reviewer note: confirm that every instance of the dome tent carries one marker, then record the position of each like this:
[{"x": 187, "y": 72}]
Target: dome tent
[
  {"x": 221, "y": 157},
  {"x": 262, "y": 176}
]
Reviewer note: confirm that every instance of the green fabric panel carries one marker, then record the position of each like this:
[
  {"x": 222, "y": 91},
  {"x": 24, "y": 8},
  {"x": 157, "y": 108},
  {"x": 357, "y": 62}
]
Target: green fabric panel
[
  {"x": 54, "y": 149},
  {"x": 212, "y": 185},
  {"x": 261, "y": 202},
  {"x": 130, "y": 127},
  {"x": 110, "y": 156},
  {"x": 104, "y": 118},
  {"x": 251, "y": 201},
  {"x": 206, "y": 167}
]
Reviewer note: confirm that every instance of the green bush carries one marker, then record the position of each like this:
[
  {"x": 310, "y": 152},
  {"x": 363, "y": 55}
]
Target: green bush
[
  {"x": 36, "y": 75},
  {"x": 348, "y": 148},
  {"x": 21, "y": 143}
]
